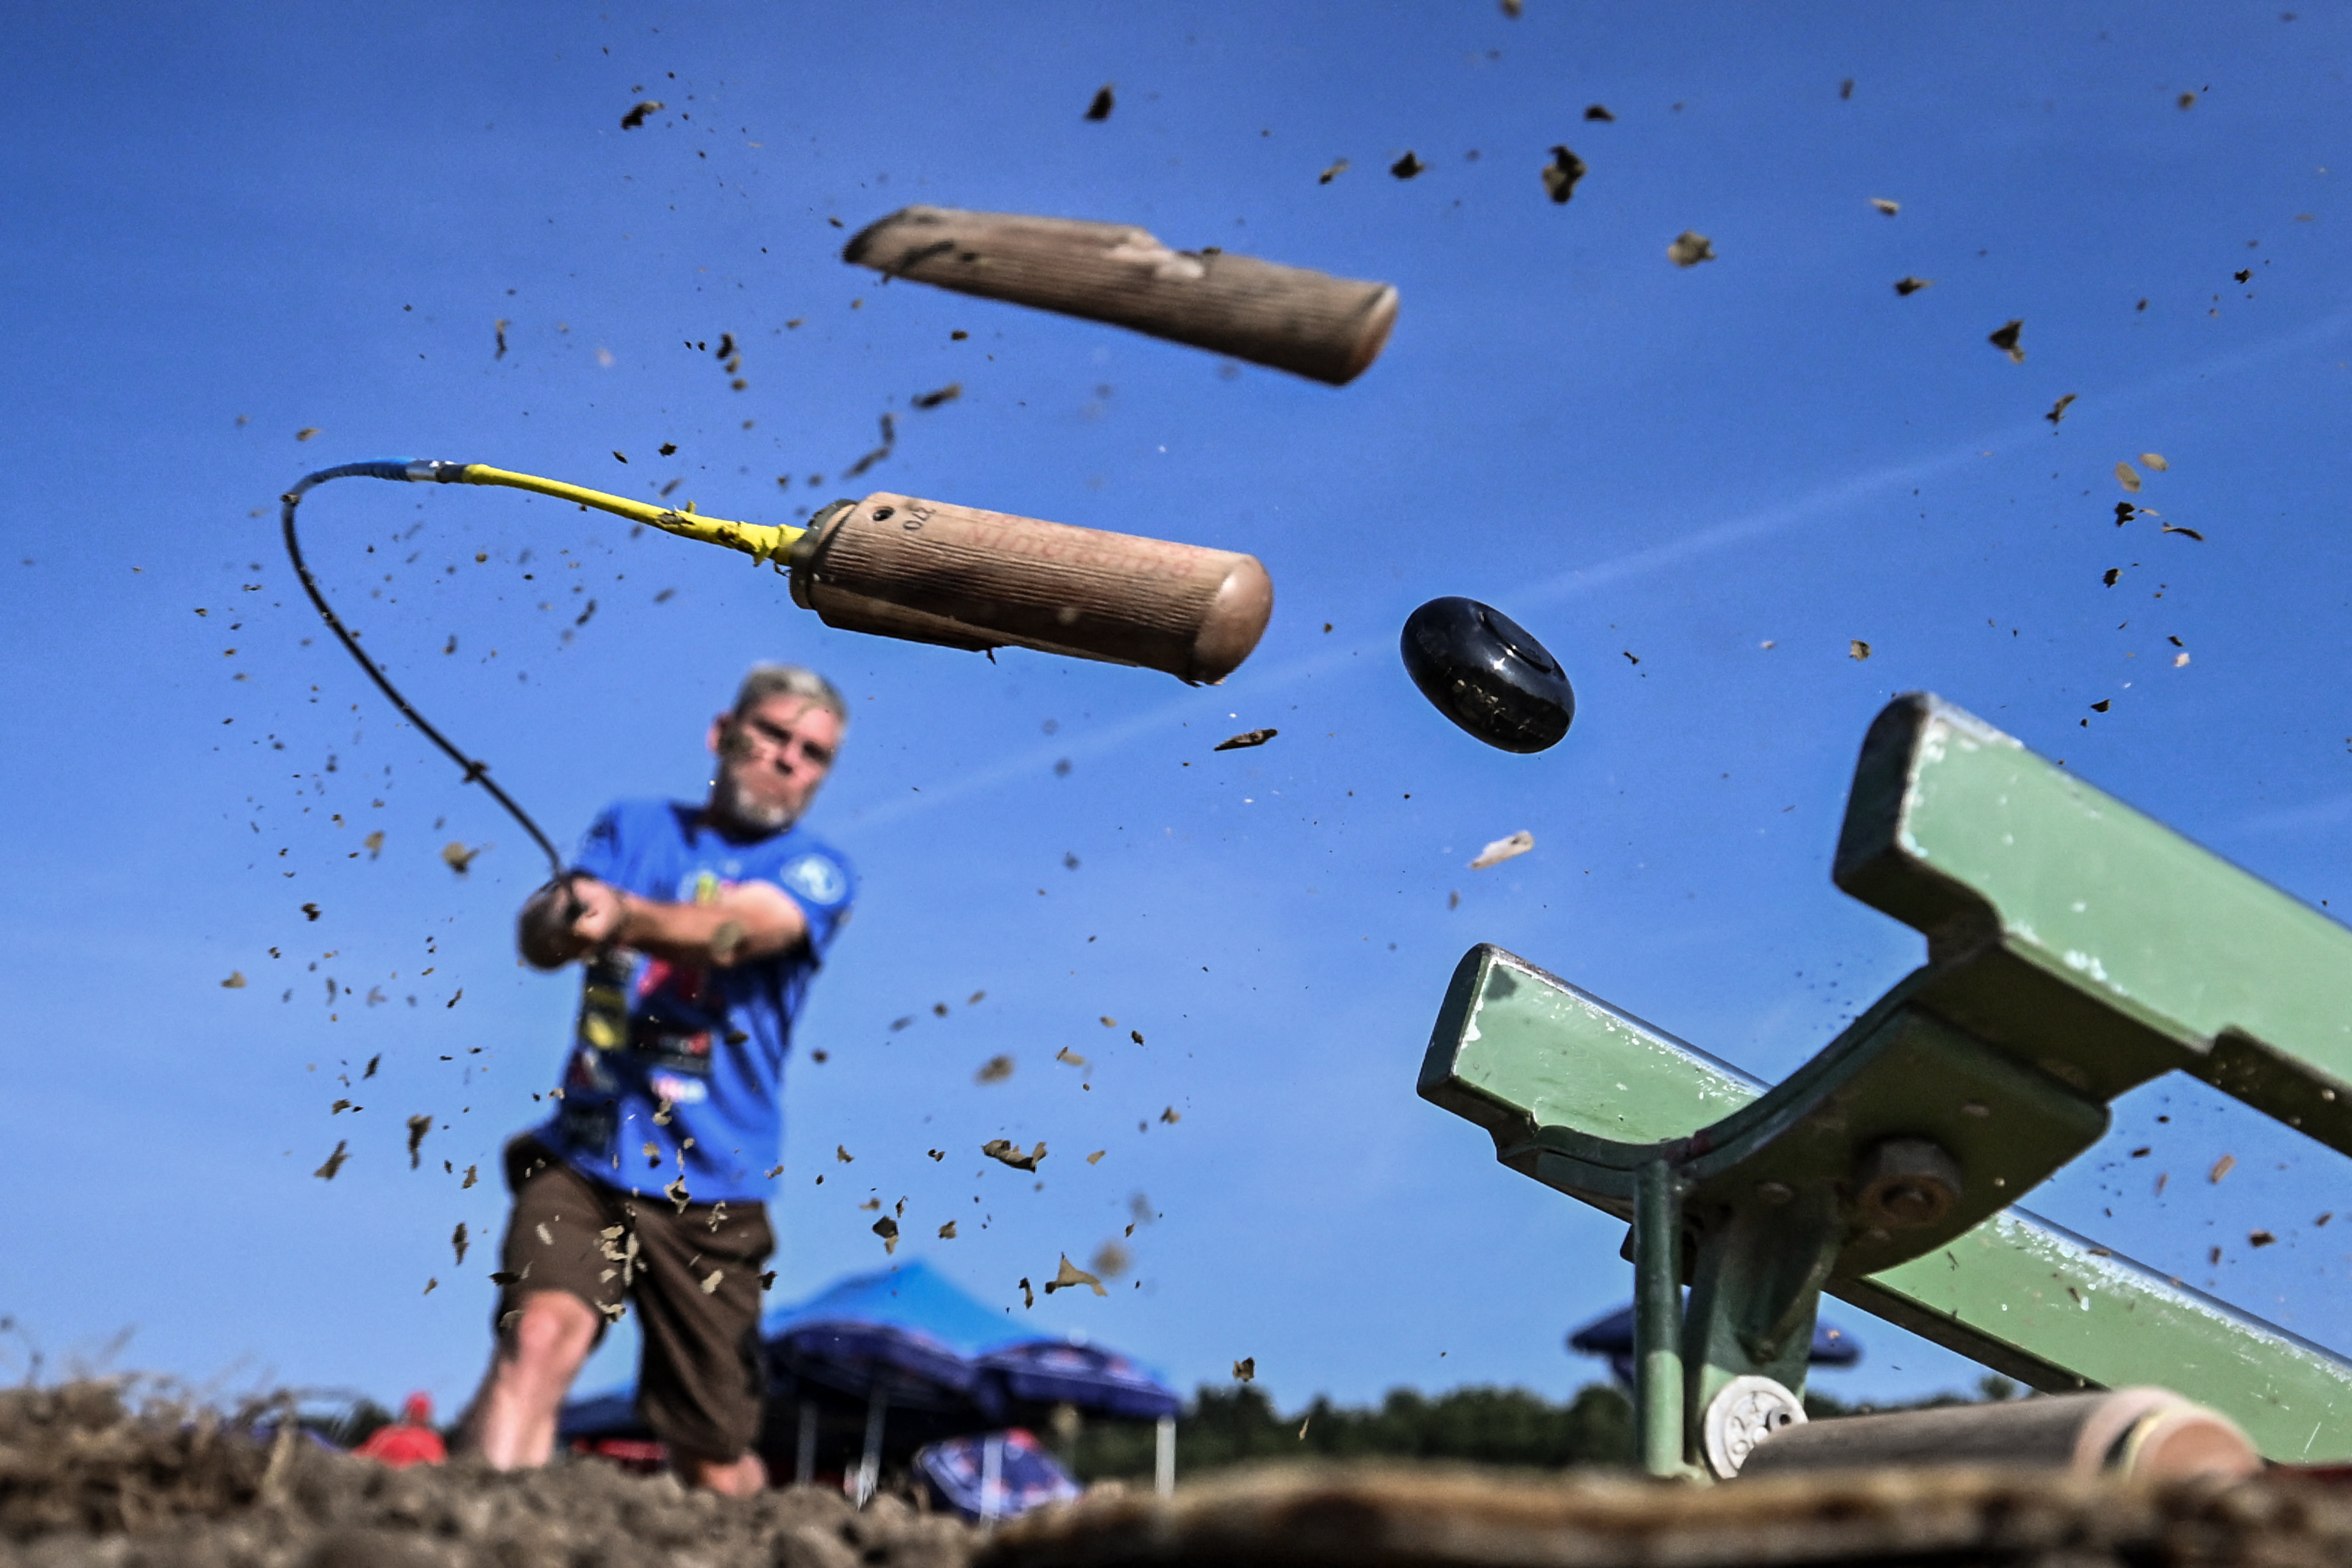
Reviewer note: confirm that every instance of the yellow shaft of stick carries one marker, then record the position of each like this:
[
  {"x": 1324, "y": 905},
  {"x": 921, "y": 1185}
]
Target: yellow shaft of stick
[{"x": 761, "y": 541}]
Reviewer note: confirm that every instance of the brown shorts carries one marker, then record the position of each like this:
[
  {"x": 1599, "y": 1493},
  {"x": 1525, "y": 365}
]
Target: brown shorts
[{"x": 693, "y": 1277}]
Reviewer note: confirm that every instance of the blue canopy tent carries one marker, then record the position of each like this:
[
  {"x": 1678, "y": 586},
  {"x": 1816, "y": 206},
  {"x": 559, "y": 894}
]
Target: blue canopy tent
[
  {"x": 1067, "y": 1372},
  {"x": 1611, "y": 1336},
  {"x": 905, "y": 1338},
  {"x": 908, "y": 1354}
]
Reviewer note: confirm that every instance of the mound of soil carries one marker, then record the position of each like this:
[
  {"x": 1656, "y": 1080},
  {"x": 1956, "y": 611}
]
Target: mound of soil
[
  {"x": 85, "y": 1481},
  {"x": 1364, "y": 1516}
]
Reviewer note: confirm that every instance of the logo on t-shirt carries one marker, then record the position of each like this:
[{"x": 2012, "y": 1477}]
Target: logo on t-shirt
[
  {"x": 815, "y": 878},
  {"x": 678, "y": 1090}
]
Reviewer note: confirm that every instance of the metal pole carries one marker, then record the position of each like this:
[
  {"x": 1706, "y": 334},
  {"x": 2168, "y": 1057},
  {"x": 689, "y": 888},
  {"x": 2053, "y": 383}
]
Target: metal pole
[
  {"x": 1657, "y": 1319},
  {"x": 804, "y": 1453},
  {"x": 1163, "y": 1458},
  {"x": 869, "y": 1468},
  {"x": 992, "y": 1478}
]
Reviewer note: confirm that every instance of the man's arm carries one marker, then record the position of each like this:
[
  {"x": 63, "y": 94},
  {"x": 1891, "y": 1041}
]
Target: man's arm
[
  {"x": 750, "y": 921},
  {"x": 572, "y": 915},
  {"x": 568, "y": 918}
]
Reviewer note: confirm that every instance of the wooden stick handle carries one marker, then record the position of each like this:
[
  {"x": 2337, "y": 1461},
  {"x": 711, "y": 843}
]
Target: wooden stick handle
[
  {"x": 1288, "y": 317},
  {"x": 933, "y": 572},
  {"x": 2131, "y": 1431}
]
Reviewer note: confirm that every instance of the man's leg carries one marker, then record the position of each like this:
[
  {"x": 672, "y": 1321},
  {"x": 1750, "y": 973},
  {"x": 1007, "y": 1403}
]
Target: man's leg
[
  {"x": 702, "y": 1383},
  {"x": 562, "y": 1277},
  {"x": 513, "y": 1420}
]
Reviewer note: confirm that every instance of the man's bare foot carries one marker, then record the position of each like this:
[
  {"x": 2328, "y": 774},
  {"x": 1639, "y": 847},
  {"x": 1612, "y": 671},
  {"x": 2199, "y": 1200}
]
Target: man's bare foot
[{"x": 744, "y": 1476}]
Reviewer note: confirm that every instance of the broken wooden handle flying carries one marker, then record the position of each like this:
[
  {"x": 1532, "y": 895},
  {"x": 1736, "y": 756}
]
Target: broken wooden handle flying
[
  {"x": 933, "y": 572},
  {"x": 1293, "y": 319}
]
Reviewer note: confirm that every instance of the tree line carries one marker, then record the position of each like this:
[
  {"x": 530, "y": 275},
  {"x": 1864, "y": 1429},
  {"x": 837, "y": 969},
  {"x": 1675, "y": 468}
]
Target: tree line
[{"x": 1237, "y": 1424}]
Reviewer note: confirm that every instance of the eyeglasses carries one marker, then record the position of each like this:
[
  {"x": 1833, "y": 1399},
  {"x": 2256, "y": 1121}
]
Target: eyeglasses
[{"x": 758, "y": 733}]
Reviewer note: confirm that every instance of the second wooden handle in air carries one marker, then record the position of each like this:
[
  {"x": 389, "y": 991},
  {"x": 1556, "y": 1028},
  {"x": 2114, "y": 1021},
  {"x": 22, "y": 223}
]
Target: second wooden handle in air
[
  {"x": 933, "y": 572},
  {"x": 1292, "y": 318}
]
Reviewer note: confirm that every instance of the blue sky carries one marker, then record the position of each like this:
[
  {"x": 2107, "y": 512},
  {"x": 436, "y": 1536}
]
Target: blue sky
[{"x": 228, "y": 224}]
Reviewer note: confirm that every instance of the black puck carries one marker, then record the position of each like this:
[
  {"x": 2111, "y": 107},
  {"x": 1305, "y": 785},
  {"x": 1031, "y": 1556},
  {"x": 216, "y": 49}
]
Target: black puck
[{"x": 1483, "y": 672}]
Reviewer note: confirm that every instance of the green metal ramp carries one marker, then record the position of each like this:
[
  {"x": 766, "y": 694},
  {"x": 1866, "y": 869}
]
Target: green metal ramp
[{"x": 2076, "y": 949}]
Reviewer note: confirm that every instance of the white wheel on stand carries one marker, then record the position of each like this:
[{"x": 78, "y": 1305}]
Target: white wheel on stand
[{"x": 1745, "y": 1412}]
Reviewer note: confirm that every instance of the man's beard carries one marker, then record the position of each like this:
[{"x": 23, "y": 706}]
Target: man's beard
[{"x": 731, "y": 801}]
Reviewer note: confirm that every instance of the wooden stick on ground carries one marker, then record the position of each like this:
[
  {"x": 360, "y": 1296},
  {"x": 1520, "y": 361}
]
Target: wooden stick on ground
[
  {"x": 1288, "y": 317},
  {"x": 2139, "y": 1432}
]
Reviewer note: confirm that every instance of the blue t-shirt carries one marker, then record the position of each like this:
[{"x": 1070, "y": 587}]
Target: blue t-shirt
[{"x": 705, "y": 1045}]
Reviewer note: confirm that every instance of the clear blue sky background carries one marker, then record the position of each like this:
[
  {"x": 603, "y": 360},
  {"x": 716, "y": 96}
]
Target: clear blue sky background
[{"x": 225, "y": 225}]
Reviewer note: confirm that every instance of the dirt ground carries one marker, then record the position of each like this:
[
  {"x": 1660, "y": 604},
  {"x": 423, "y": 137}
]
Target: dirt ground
[
  {"x": 85, "y": 1481},
  {"x": 1368, "y": 1516}
]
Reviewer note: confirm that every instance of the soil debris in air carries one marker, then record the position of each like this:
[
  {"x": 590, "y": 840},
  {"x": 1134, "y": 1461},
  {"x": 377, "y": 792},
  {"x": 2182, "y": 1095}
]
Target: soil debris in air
[
  {"x": 1071, "y": 1275},
  {"x": 1503, "y": 849},
  {"x": 1559, "y": 175},
  {"x": 889, "y": 444},
  {"x": 1006, "y": 1152},
  {"x": 1690, "y": 248}
]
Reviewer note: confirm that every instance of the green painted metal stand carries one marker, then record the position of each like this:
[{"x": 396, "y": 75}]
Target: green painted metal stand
[{"x": 2076, "y": 950}]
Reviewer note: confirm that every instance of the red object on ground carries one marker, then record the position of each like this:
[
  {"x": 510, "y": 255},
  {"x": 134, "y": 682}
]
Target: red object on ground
[{"x": 410, "y": 1440}]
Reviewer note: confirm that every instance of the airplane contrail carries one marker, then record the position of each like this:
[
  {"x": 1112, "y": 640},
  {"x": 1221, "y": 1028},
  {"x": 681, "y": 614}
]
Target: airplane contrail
[{"x": 1579, "y": 581}]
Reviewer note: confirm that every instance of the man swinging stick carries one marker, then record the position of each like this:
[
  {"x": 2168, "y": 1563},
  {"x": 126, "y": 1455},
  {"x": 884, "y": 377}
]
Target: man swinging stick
[{"x": 701, "y": 927}]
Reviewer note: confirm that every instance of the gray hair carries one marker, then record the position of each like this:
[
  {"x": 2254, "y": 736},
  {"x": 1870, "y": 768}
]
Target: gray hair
[{"x": 766, "y": 681}]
